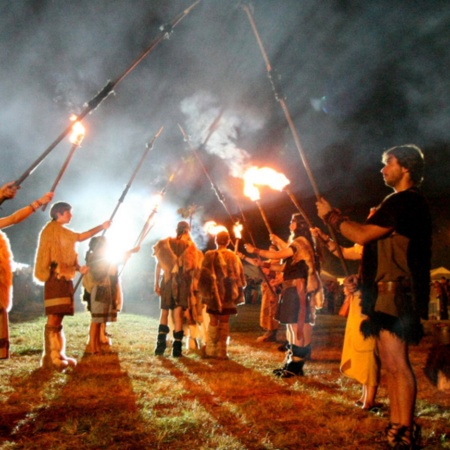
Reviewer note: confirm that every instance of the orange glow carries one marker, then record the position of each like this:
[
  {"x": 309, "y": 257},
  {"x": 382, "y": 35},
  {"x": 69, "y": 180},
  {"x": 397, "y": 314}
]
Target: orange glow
[
  {"x": 262, "y": 176},
  {"x": 212, "y": 228},
  {"x": 237, "y": 230},
  {"x": 78, "y": 131}
]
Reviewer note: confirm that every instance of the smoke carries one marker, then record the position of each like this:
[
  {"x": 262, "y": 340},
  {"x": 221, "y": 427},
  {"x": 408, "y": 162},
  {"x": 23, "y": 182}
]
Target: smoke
[{"x": 201, "y": 109}]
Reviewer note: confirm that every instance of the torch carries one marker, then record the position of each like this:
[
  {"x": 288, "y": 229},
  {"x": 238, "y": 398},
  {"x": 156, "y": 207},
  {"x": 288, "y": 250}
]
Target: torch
[
  {"x": 251, "y": 191},
  {"x": 237, "y": 228},
  {"x": 76, "y": 138},
  {"x": 165, "y": 32},
  {"x": 280, "y": 98}
]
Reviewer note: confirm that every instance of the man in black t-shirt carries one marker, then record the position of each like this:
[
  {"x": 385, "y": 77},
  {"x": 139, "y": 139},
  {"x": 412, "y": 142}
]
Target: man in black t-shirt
[{"x": 394, "y": 279}]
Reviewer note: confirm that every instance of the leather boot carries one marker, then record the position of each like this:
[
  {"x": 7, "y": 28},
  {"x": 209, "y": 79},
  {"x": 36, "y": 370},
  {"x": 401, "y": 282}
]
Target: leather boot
[
  {"x": 62, "y": 349},
  {"x": 295, "y": 362},
  {"x": 51, "y": 358},
  {"x": 161, "y": 342},
  {"x": 211, "y": 342},
  {"x": 177, "y": 343},
  {"x": 222, "y": 342},
  {"x": 287, "y": 358}
]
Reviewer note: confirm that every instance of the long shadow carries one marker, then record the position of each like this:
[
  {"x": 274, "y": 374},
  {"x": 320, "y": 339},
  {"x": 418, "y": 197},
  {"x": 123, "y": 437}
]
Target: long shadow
[{"x": 82, "y": 408}]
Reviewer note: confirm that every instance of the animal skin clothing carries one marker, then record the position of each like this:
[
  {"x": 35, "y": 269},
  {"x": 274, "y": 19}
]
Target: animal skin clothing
[
  {"x": 222, "y": 282},
  {"x": 6, "y": 283},
  {"x": 396, "y": 268},
  {"x": 178, "y": 260},
  {"x": 56, "y": 265}
]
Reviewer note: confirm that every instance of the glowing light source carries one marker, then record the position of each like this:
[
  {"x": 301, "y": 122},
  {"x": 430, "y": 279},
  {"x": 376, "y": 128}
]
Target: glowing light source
[
  {"x": 262, "y": 176},
  {"x": 212, "y": 228},
  {"x": 78, "y": 131}
]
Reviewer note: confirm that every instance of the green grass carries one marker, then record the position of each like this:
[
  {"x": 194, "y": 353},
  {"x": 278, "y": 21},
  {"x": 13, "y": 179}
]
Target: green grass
[{"x": 130, "y": 399}]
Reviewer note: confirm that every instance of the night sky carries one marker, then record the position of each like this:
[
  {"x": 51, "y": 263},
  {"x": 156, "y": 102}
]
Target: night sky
[{"x": 358, "y": 78}]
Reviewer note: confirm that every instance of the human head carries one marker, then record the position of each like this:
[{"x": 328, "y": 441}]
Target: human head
[
  {"x": 182, "y": 228},
  {"x": 302, "y": 228},
  {"x": 223, "y": 238},
  {"x": 97, "y": 242},
  {"x": 59, "y": 208},
  {"x": 411, "y": 158}
]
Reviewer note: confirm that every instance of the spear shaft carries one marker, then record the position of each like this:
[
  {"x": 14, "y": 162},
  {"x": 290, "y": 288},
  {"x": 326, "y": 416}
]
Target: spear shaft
[
  {"x": 280, "y": 99},
  {"x": 165, "y": 32},
  {"x": 148, "y": 148},
  {"x": 214, "y": 186}
]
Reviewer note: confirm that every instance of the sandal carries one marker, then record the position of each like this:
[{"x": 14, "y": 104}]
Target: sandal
[{"x": 401, "y": 437}]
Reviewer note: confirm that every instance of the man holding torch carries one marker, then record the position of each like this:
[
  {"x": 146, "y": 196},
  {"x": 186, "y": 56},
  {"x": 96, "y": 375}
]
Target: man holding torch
[
  {"x": 395, "y": 279},
  {"x": 56, "y": 264}
]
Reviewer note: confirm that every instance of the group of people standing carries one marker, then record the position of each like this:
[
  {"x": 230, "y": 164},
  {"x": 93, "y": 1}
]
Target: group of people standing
[{"x": 389, "y": 296}]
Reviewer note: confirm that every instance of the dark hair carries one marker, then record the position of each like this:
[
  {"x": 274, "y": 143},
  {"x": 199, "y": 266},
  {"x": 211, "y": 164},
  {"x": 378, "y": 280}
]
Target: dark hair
[
  {"x": 59, "y": 208},
  {"x": 410, "y": 157},
  {"x": 182, "y": 228},
  {"x": 223, "y": 238},
  {"x": 302, "y": 229}
]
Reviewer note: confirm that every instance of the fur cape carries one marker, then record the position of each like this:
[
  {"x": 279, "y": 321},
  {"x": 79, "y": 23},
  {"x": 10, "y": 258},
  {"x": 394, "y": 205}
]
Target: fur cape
[
  {"x": 176, "y": 255},
  {"x": 56, "y": 245},
  {"x": 222, "y": 279},
  {"x": 6, "y": 277}
]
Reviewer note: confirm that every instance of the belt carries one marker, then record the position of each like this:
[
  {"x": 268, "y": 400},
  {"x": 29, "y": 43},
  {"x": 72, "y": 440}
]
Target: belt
[
  {"x": 391, "y": 287},
  {"x": 290, "y": 283}
]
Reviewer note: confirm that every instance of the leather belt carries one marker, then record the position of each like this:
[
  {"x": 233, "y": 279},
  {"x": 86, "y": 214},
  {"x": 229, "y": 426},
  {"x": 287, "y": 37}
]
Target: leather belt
[{"x": 391, "y": 287}]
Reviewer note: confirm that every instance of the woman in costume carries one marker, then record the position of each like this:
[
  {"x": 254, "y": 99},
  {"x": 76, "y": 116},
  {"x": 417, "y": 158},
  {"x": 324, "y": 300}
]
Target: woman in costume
[
  {"x": 6, "y": 258},
  {"x": 301, "y": 294}
]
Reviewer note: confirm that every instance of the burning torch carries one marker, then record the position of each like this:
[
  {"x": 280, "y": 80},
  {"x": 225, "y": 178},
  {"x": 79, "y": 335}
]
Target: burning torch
[{"x": 76, "y": 138}]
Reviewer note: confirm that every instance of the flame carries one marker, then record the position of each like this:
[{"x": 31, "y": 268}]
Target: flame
[
  {"x": 212, "y": 228},
  {"x": 237, "y": 230},
  {"x": 78, "y": 131},
  {"x": 262, "y": 176}
]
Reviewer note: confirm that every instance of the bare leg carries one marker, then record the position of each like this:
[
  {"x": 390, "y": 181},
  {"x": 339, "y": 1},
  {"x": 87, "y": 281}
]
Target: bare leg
[{"x": 401, "y": 382}]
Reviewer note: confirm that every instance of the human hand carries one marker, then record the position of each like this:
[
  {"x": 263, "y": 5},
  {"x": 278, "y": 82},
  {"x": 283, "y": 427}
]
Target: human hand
[
  {"x": 46, "y": 198},
  {"x": 250, "y": 248},
  {"x": 107, "y": 224},
  {"x": 351, "y": 284},
  {"x": 323, "y": 207},
  {"x": 9, "y": 190},
  {"x": 84, "y": 270},
  {"x": 318, "y": 233}
]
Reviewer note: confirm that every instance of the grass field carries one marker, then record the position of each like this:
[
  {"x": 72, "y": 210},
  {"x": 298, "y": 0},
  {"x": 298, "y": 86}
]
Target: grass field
[{"x": 130, "y": 399}]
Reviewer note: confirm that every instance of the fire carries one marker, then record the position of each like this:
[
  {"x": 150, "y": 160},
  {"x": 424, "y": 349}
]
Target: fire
[
  {"x": 262, "y": 176},
  {"x": 78, "y": 131},
  {"x": 237, "y": 230},
  {"x": 212, "y": 228}
]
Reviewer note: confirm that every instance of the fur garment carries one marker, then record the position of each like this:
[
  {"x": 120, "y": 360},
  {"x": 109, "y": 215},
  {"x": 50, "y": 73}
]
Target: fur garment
[
  {"x": 6, "y": 276},
  {"x": 56, "y": 246}
]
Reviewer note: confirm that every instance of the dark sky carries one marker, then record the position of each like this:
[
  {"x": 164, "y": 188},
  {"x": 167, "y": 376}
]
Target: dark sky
[{"x": 358, "y": 78}]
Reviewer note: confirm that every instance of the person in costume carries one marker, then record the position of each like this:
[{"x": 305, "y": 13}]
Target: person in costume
[
  {"x": 176, "y": 262},
  {"x": 395, "y": 280},
  {"x": 270, "y": 290},
  {"x": 222, "y": 283},
  {"x": 9, "y": 191},
  {"x": 359, "y": 359},
  {"x": 301, "y": 293},
  {"x": 102, "y": 290},
  {"x": 56, "y": 264}
]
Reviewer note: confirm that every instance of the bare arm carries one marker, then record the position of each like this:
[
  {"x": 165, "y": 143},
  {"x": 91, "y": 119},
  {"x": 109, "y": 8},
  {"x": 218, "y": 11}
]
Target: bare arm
[
  {"x": 157, "y": 277},
  {"x": 355, "y": 232},
  {"x": 88, "y": 234},
  {"x": 25, "y": 212},
  {"x": 269, "y": 254}
]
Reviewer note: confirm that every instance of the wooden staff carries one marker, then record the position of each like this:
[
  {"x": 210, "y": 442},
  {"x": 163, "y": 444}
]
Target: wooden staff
[
  {"x": 263, "y": 214},
  {"x": 165, "y": 32},
  {"x": 280, "y": 98}
]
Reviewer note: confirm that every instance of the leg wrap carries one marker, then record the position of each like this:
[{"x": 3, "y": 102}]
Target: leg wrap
[
  {"x": 211, "y": 342},
  {"x": 224, "y": 331},
  {"x": 161, "y": 342},
  {"x": 51, "y": 357},
  {"x": 177, "y": 343}
]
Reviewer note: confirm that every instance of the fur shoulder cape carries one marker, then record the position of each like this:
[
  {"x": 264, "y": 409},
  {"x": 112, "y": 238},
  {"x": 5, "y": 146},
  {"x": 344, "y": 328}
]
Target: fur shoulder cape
[
  {"x": 6, "y": 277},
  {"x": 56, "y": 245}
]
